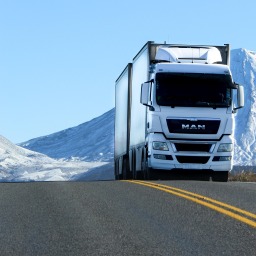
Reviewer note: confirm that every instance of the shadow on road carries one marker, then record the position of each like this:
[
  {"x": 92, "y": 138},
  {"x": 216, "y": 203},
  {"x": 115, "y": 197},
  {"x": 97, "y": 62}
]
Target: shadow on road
[{"x": 200, "y": 175}]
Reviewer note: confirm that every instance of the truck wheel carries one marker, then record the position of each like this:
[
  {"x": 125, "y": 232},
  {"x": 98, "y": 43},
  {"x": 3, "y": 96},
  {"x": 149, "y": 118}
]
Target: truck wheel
[
  {"x": 117, "y": 176},
  {"x": 147, "y": 171},
  {"x": 144, "y": 167},
  {"x": 220, "y": 176},
  {"x": 153, "y": 174},
  {"x": 150, "y": 175}
]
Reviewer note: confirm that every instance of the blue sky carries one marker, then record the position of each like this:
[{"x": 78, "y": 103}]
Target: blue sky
[{"x": 59, "y": 59}]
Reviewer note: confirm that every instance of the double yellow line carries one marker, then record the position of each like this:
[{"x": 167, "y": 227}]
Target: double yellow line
[{"x": 229, "y": 210}]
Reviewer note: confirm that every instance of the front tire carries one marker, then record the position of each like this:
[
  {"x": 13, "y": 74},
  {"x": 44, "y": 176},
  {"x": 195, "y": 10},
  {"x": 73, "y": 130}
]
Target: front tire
[{"x": 220, "y": 176}]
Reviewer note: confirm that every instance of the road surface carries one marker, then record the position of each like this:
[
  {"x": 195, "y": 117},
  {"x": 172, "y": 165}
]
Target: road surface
[{"x": 126, "y": 218}]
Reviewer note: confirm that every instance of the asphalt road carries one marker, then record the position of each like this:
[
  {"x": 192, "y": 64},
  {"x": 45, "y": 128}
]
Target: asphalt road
[{"x": 122, "y": 218}]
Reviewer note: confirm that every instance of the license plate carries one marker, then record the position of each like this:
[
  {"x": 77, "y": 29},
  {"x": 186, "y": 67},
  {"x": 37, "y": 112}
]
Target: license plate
[{"x": 191, "y": 166}]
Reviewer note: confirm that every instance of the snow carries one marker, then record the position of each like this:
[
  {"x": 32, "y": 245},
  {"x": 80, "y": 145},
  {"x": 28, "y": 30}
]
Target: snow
[
  {"x": 90, "y": 141},
  {"x": 85, "y": 152},
  {"x": 20, "y": 164},
  {"x": 243, "y": 68}
]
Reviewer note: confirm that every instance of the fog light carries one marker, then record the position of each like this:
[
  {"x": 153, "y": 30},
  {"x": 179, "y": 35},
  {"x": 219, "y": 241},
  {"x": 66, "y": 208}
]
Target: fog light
[
  {"x": 222, "y": 158},
  {"x": 163, "y": 157}
]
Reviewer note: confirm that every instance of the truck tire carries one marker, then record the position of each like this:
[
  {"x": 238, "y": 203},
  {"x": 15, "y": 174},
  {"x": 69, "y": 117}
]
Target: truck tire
[
  {"x": 125, "y": 169},
  {"x": 154, "y": 174},
  {"x": 146, "y": 171},
  {"x": 144, "y": 166},
  {"x": 117, "y": 176},
  {"x": 220, "y": 176}
]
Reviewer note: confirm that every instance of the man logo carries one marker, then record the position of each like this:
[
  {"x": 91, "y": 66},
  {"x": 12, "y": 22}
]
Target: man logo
[{"x": 193, "y": 127}]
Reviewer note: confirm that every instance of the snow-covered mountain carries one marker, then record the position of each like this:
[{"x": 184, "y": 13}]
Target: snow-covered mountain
[
  {"x": 20, "y": 164},
  {"x": 243, "y": 67},
  {"x": 90, "y": 141},
  {"x": 94, "y": 140}
]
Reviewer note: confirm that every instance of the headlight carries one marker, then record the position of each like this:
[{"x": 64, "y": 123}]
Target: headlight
[
  {"x": 225, "y": 147},
  {"x": 158, "y": 145}
]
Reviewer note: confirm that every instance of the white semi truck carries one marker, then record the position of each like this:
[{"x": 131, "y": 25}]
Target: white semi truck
[{"x": 174, "y": 111}]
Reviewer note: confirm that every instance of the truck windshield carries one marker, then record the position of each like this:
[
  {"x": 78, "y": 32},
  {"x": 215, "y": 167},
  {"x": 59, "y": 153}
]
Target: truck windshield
[{"x": 193, "y": 90}]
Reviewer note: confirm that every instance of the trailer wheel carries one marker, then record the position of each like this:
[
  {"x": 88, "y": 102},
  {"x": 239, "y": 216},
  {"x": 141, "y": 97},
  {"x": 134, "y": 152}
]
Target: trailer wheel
[
  {"x": 117, "y": 166},
  {"x": 116, "y": 172},
  {"x": 220, "y": 176},
  {"x": 125, "y": 169},
  {"x": 133, "y": 165},
  {"x": 144, "y": 166}
]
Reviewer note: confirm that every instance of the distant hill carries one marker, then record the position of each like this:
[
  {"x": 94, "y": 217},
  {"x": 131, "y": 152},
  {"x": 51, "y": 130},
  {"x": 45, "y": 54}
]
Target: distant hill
[
  {"x": 19, "y": 164},
  {"x": 90, "y": 141}
]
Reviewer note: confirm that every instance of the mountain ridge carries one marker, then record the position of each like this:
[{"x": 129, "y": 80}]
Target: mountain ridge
[{"x": 78, "y": 141}]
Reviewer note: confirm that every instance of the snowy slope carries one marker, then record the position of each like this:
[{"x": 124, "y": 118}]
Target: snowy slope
[
  {"x": 90, "y": 141},
  {"x": 243, "y": 67},
  {"x": 94, "y": 140},
  {"x": 19, "y": 164}
]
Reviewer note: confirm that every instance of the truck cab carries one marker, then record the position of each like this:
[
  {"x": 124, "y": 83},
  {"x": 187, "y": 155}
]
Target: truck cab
[{"x": 190, "y": 117}]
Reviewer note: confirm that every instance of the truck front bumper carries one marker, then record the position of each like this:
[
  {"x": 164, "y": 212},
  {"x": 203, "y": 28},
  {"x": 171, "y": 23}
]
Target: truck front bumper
[
  {"x": 173, "y": 164},
  {"x": 194, "y": 155}
]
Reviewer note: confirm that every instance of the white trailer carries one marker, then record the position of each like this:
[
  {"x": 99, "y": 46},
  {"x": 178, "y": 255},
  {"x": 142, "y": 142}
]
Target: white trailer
[{"x": 175, "y": 107}]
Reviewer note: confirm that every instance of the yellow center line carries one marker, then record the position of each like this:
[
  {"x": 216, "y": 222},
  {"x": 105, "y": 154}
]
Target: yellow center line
[
  {"x": 199, "y": 199},
  {"x": 249, "y": 214}
]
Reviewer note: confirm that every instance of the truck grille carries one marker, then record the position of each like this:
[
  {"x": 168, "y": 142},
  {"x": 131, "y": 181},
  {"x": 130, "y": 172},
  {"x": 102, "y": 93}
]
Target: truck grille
[
  {"x": 193, "y": 159},
  {"x": 193, "y": 126},
  {"x": 193, "y": 147}
]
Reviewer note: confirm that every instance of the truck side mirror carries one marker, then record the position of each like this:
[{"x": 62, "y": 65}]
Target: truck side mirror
[
  {"x": 240, "y": 97},
  {"x": 144, "y": 93}
]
